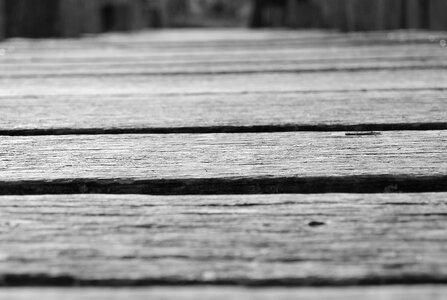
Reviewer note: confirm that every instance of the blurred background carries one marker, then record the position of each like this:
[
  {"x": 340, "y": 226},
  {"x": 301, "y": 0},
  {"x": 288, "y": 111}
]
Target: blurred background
[{"x": 73, "y": 18}]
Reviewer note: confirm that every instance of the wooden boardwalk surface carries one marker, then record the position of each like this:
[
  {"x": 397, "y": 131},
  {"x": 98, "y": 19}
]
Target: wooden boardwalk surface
[{"x": 228, "y": 159}]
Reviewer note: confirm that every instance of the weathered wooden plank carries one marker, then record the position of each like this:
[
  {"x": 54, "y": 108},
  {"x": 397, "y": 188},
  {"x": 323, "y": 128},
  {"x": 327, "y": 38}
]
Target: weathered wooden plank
[
  {"x": 115, "y": 56},
  {"x": 194, "y": 36},
  {"x": 247, "y": 67},
  {"x": 404, "y": 292},
  {"x": 151, "y": 42},
  {"x": 310, "y": 162},
  {"x": 348, "y": 110},
  {"x": 295, "y": 240},
  {"x": 218, "y": 83}
]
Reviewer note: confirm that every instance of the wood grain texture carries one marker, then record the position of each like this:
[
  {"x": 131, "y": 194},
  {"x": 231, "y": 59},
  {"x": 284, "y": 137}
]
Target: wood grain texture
[
  {"x": 189, "y": 44},
  {"x": 225, "y": 163},
  {"x": 215, "y": 83},
  {"x": 349, "y": 110},
  {"x": 231, "y": 38},
  {"x": 225, "y": 293},
  {"x": 36, "y": 53},
  {"x": 273, "y": 240},
  {"x": 256, "y": 67}
]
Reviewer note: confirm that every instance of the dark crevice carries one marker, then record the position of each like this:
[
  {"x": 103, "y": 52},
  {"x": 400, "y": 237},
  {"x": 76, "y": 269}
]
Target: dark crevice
[
  {"x": 231, "y": 186},
  {"x": 365, "y": 128},
  {"x": 43, "y": 280}
]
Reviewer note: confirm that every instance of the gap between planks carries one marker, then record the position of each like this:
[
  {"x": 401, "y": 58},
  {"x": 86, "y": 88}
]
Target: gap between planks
[
  {"x": 230, "y": 186},
  {"x": 355, "y": 129}
]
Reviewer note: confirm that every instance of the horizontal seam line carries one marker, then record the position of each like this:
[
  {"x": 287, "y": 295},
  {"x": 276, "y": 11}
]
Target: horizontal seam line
[
  {"x": 229, "y": 129},
  {"x": 367, "y": 184}
]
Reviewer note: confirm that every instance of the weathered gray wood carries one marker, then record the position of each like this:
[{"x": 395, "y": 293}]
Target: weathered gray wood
[
  {"x": 75, "y": 53},
  {"x": 334, "y": 239},
  {"x": 201, "y": 42},
  {"x": 433, "y": 292},
  {"x": 349, "y": 110},
  {"x": 215, "y": 39},
  {"x": 215, "y": 83},
  {"x": 225, "y": 67},
  {"x": 37, "y": 50},
  {"x": 225, "y": 163}
]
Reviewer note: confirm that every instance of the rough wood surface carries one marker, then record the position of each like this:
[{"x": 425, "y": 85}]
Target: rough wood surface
[
  {"x": 233, "y": 293},
  {"x": 223, "y": 163},
  {"x": 334, "y": 239},
  {"x": 194, "y": 86},
  {"x": 254, "y": 112}
]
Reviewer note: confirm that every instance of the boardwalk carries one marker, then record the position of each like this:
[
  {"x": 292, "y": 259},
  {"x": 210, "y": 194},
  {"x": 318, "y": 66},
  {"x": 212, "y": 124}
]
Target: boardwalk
[{"x": 228, "y": 159}]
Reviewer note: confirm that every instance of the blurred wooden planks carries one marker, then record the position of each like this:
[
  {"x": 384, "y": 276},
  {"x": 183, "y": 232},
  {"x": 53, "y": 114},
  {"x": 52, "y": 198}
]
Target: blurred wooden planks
[
  {"x": 223, "y": 67},
  {"x": 291, "y": 240},
  {"x": 225, "y": 83},
  {"x": 288, "y": 111},
  {"x": 213, "y": 61},
  {"x": 225, "y": 41}
]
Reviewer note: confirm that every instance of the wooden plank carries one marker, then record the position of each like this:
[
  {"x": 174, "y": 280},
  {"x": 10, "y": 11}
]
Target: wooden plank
[
  {"x": 153, "y": 42},
  {"x": 253, "y": 112},
  {"x": 304, "y": 162},
  {"x": 434, "y": 292},
  {"x": 247, "y": 67},
  {"x": 274, "y": 240},
  {"x": 218, "y": 83},
  {"x": 117, "y": 56}
]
